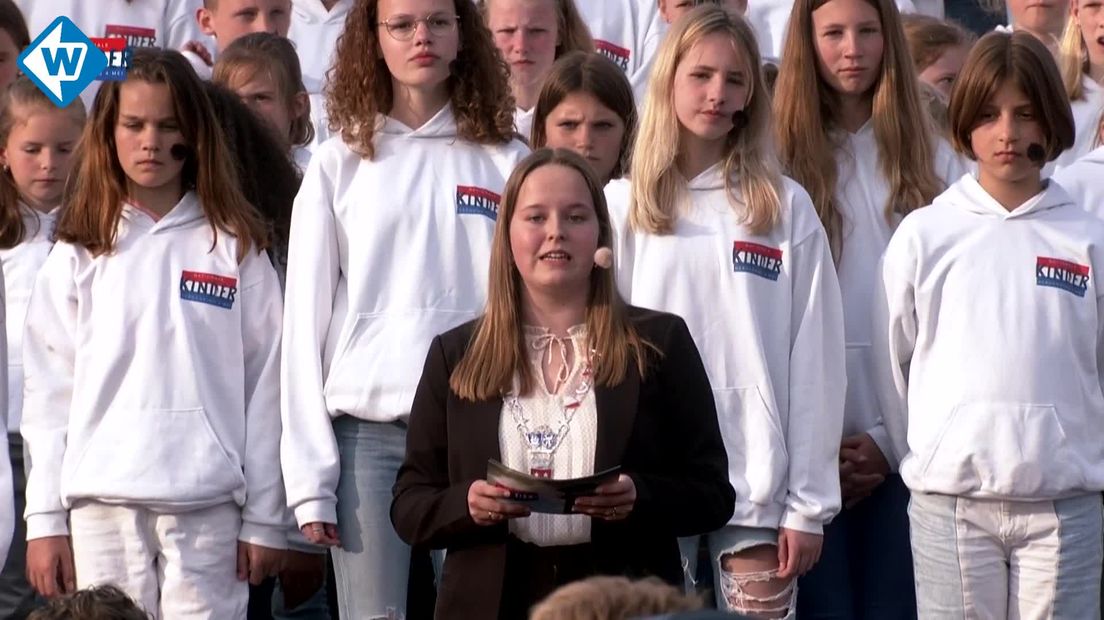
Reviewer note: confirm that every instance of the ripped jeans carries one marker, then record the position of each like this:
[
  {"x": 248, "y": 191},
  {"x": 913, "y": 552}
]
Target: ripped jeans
[
  {"x": 372, "y": 565},
  {"x": 732, "y": 590}
]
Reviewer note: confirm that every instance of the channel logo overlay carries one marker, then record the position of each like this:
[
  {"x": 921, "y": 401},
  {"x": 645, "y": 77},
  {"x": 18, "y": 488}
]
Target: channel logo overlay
[{"x": 62, "y": 61}]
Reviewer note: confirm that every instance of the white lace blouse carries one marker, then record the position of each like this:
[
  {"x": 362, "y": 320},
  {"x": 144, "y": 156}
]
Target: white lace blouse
[{"x": 574, "y": 457}]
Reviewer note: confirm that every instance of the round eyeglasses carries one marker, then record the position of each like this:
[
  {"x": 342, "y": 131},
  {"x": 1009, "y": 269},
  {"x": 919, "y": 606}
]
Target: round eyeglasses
[{"x": 403, "y": 27}]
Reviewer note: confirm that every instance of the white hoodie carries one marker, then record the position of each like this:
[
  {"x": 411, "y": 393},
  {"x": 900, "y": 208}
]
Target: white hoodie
[
  {"x": 21, "y": 265},
  {"x": 1083, "y": 180},
  {"x": 315, "y": 31},
  {"x": 1086, "y": 122},
  {"x": 861, "y": 194},
  {"x": 628, "y": 32},
  {"x": 152, "y": 377},
  {"x": 990, "y": 334},
  {"x": 384, "y": 255},
  {"x": 766, "y": 314}
]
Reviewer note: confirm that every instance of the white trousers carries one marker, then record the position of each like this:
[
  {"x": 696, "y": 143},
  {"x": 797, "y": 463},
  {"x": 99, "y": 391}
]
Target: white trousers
[
  {"x": 1006, "y": 560},
  {"x": 175, "y": 565}
]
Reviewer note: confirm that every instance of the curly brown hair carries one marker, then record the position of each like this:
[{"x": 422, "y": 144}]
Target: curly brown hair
[{"x": 360, "y": 86}]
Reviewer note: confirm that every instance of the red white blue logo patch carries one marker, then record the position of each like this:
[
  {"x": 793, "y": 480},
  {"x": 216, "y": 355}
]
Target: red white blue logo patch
[
  {"x": 1063, "y": 274},
  {"x": 478, "y": 201},
  {"x": 208, "y": 288},
  {"x": 619, "y": 55},
  {"x": 757, "y": 259}
]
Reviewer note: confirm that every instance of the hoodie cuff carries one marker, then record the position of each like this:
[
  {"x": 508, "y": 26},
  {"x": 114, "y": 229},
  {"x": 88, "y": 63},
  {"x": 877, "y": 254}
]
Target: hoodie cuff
[
  {"x": 316, "y": 511},
  {"x": 46, "y": 524},
  {"x": 263, "y": 535},
  {"x": 793, "y": 521},
  {"x": 881, "y": 438}
]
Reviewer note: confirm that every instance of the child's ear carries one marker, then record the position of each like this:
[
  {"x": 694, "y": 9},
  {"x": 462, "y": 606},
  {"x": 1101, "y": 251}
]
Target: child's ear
[
  {"x": 205, "y": 18},
  {"x": 300, "y": 105}
]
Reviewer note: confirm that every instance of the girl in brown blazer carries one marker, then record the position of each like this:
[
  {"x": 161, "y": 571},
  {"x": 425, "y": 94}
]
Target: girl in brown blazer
[{"x": 561, "y": 379}]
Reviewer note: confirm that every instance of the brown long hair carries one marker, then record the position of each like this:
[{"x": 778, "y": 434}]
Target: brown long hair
[
  {"x": 21, "y": 99},
  {"x": 805, "y": 112},
  {"x": 360, "y": 87},
  {"x": 497, "y": 348},
  {"x": 597, "y": 76},
  {"x": 268, "y": 54},
  {"x": 97, "y": 187}
]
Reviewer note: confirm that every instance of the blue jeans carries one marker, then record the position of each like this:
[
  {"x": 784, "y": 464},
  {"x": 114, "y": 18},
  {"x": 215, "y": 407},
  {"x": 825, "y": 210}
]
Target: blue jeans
[
  {"x": 727, "y": 540},
  {"x": 372, "y": 566},
  {"x": 984, "y": 558},
  {"x": 865, "y": 567}
]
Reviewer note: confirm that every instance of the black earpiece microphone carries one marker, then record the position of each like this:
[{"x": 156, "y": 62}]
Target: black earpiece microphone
[
  {"x": 1037, "y": 154},
  {"x": 180, "y": 152},
  {"x": 739, "y": 120}
]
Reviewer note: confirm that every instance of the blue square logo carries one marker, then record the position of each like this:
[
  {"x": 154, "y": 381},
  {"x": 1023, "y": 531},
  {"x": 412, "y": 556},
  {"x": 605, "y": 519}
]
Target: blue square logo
[{"x": 62, "y": 62}]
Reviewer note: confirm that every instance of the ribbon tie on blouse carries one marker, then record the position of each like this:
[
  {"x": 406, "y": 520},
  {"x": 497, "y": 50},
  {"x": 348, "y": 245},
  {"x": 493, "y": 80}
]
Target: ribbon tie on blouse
[{"x": 545, "y": 341}]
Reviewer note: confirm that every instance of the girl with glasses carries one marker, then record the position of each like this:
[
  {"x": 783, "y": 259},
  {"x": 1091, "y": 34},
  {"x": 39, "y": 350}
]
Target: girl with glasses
[{"x": 389, "y": 246}]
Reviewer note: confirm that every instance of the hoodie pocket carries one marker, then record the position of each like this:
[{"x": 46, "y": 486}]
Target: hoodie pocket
[
  {"x": 376, "y": 371},
  {"x": 170, "y": 456},
  {"x": 757, "y": 459},
  {"x": 1002, "y": 450}
]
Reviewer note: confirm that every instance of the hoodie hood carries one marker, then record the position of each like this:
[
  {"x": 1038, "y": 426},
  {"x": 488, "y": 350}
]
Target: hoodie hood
[
  {"x": 709, "y": 179},
  {"x": 441, "y": 125},
  {"x": 184, "y": 213},
  {"x": 968, "y": 194},
  {"x": 1095, "y": 156}
]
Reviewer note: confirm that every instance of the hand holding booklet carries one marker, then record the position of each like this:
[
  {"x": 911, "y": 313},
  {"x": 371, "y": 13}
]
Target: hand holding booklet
[{"x": 544, "y": 494}]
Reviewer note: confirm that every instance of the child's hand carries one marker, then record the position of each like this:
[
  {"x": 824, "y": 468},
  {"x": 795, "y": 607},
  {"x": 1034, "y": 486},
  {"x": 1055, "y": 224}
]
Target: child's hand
[
  {"x": 50, "y": 568},
  {"x": 321, "y": 533},
  {"x": 257, "y": 563},
  {"x": 798, "y": 552},
  {"x": 200, "y": 50},
  {"x": 862, "y": 468}
]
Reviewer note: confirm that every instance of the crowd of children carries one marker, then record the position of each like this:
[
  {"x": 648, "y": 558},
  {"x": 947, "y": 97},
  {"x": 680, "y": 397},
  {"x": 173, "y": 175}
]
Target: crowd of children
[{"x": 222, "y": 276}]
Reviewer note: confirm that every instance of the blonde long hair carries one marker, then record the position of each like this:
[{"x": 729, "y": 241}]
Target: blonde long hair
[
  {"x": 749, "y": 160},
  {"x": 497, "y": 348},
  {"x": 1073, "y": 59},
  {"x": 22, "y": 99},
  {"x": 805, "y": 113}
]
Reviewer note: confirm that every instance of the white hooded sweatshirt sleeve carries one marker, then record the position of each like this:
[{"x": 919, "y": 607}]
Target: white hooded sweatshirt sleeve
[
  {"x": 160, "y": 391},
  {"x": 384, "y": 255},
  {"x": 766, "y": 314},
  {"x": 7, "y": 497},
  {"x": 989, "y": 386}
]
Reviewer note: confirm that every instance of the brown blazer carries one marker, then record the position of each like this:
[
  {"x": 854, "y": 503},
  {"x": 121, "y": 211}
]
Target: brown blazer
[{"x": 662, "y": 431}]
